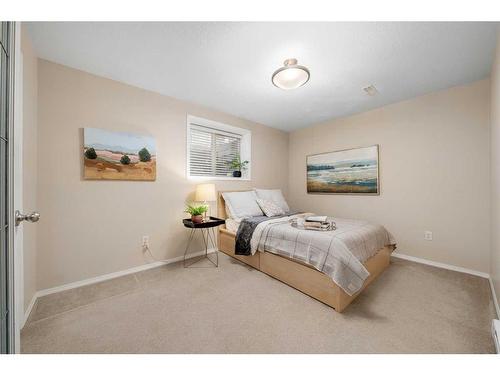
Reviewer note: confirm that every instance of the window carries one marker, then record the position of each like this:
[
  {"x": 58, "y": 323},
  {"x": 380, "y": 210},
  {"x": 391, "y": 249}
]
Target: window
[{"x": 212, "y": 146}]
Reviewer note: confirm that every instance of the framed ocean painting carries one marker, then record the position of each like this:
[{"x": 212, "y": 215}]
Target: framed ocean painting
[
  {"x": 353, "y": 171},
  {"x": 111, "y": 155}
]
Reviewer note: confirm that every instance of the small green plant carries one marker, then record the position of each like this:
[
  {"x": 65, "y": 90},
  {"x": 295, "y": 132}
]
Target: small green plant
[
  {"x": 125, "y": 160},
  {"x": 196, "y": 210},
  {"x": 90, "y": 153},
  {"x": 237, "y": 165},
  {"x": 144, "y": 155}
]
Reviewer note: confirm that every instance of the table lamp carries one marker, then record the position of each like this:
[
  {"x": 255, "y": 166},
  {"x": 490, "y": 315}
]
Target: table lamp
[{"x": 205, "y": 193}]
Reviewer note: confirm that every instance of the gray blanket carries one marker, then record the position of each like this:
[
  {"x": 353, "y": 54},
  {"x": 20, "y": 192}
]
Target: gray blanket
[{"x": 245, "y": 233}]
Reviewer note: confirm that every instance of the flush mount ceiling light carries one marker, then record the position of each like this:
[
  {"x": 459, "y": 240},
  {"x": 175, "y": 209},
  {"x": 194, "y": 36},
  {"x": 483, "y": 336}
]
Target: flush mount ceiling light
[{"x": 291, "y": 75}]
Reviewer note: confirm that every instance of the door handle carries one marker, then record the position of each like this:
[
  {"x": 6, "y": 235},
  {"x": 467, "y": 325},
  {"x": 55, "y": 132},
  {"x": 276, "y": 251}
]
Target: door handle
[{"x": 32, "y": 217}]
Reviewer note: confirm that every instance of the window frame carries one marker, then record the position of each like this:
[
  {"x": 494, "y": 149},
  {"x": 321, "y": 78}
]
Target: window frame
[{"x": 245, "y": 147}]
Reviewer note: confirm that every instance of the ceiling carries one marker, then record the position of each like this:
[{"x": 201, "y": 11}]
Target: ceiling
[{"x": 228, "y": 66}]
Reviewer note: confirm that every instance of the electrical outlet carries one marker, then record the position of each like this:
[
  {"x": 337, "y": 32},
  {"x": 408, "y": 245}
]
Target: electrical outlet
[
  {"x": 428, "y": 235},
  {"x": 145, "y": 242}
]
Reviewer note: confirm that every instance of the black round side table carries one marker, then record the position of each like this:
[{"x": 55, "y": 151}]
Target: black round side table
[{"x": 207, "y": 230}]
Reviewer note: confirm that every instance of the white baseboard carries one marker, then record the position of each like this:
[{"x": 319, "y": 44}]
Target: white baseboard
[
  {"x": 29, "y": 309},
  {"x": 442, "y": 265},
  {"x": 455, "y": 268},
  {"x": 114, "y": 275},
  {"x": 495, "y": 300}
]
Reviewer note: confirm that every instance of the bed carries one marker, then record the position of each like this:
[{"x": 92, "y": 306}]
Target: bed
[{"x": 298, "y": 274}]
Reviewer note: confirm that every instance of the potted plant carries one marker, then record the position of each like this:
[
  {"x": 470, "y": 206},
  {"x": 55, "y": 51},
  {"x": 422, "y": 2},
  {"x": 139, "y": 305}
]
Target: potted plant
[
  {"x": 238, "y": 166},
  {"x": 196, "y": 213}
]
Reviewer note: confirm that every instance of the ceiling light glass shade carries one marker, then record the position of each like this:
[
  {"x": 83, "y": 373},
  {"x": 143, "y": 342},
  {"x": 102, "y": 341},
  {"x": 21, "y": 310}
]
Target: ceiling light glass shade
[{"x": 290, "y": 76}]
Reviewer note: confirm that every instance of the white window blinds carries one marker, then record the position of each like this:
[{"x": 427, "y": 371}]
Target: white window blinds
[{"x": 211, "y": 151}]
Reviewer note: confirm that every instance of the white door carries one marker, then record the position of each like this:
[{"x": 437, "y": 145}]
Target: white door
[
  {"x": 11, "y": 192},
  {"x": 17, "y": 188}
]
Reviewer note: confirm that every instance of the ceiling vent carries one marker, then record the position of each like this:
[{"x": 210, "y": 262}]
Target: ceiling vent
[{"x": 371, "y": 90}]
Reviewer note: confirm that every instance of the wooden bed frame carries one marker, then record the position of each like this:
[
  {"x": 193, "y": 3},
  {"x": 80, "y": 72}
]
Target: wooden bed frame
[{"x": 300, "y": 275}]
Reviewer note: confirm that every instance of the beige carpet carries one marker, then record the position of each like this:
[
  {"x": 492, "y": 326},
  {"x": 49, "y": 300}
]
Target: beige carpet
[{"x": 411, "y": 308}]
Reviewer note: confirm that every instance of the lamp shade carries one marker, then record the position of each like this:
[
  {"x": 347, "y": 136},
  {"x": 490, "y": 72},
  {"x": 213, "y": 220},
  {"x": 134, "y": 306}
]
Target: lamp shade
[{"x": 205, "y": 193}]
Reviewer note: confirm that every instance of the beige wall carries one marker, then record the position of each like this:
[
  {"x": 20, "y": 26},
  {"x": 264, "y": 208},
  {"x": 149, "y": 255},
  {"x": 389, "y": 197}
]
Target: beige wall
[
  {"x": 434, "y": 172},
  {"x": 91, "y": 228},
  {"x": 30, "y": 165},
  {"x": 495, "y": 171}
]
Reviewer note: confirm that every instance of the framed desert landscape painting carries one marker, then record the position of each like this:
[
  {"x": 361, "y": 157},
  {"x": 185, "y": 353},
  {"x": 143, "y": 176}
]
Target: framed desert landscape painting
[
  {"x": 110, "y": 155},
  {"x": 353, "y": 171}
]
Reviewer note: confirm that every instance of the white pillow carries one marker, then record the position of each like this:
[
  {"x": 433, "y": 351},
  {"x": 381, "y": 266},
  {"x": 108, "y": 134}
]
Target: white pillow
[
  {"x": 242, "y": 204},
  {"x": 270, "y": 208},
  {"x": 273, "y": 195}
]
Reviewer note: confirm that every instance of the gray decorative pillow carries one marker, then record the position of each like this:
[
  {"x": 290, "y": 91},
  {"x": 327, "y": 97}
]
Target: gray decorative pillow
[{"x": 270, "y": 208}]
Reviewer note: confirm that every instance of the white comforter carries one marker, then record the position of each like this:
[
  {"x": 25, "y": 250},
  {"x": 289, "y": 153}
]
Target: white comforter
[{"x": 339, "y": 253}]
